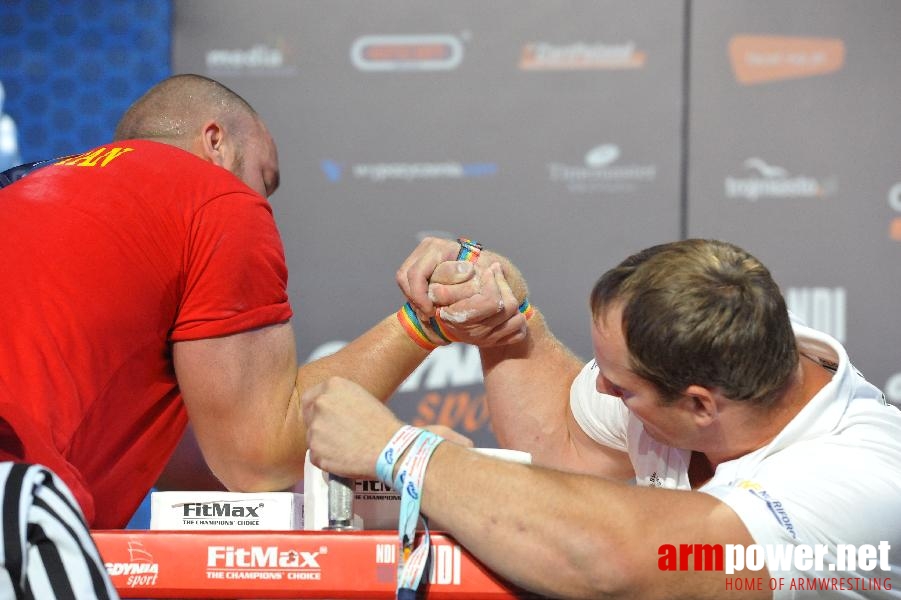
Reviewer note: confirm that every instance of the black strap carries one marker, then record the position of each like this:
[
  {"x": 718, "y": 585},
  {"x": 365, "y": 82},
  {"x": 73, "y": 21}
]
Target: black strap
[{"x": 18, "y": 172}]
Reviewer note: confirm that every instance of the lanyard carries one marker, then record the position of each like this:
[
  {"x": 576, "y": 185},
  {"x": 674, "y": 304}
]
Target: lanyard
[{"x": 413, "y": 558}]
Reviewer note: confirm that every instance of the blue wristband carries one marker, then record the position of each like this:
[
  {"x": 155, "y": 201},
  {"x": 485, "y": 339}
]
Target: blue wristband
[
  {"x": 384, "y": 466},
  {"x": 410, "y": 477}
]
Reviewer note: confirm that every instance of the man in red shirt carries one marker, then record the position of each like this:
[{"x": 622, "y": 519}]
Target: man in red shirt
[{"x": 144, "y": 284}]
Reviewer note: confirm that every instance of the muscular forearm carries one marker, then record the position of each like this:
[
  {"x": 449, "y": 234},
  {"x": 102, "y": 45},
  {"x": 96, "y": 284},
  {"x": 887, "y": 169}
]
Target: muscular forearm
[
  {"x": 379, "y": 360},
  {"x": 540, "y": 529},
  {"x": 527, "y": 388},
  {"x": 243, "y": 396},
  {"x": 576, "y": 536}
]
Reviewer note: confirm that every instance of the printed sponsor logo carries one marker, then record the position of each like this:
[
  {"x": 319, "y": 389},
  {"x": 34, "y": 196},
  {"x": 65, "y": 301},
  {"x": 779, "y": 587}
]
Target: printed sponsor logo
[
  {"x": 600, "y": 172},
  {"x": 240, "y": 513},
  {"x": 774, "y": 505},
  {"x": 762, "y": 59},
  {"x": 544, "y": 56},
  {"x": 444, "y": 563},
  {"x": 455, "y": 365},
  {"x": 336, "y": 171},
  {"x": 822, "y": 308},
  {"x": 817, "y": 559},
  {"x": 373, "y": 489},
  {"x": 438, "y": 378},
  {"x": 141, "y": 570},
  {"x": 259, "y": 59},
  {"x": 432, "y": 52},
  {"x": 264, "y": 563},
  {"x": 894, "y": 202},
  {"x": 770, "y": 181},
  {"x": 386, "y": 554}
]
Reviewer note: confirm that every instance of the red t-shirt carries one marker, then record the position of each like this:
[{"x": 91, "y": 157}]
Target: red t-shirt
[{"x": 105, "y": 260}]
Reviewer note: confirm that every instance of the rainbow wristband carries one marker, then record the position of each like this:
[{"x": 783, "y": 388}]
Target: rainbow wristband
[
  {"x": 410, "y": 322},
  {"x": 527, "y": 309},
  {"x": 469, "y": 252},
  {"x": 439, "y": 328}
]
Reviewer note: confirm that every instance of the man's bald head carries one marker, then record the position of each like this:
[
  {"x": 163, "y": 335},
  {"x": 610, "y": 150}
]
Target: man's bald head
[
  {"x": 173, "y": 110},
  {"x": 205, "y": 118}
]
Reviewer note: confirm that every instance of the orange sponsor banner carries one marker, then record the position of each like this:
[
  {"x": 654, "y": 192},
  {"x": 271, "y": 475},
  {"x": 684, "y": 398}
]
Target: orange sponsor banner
[
  {"x": 543, "y": 56},
  {"x": 895, "y": 229},
  {"x": 762, "y": 59},
  {"x": 280, "y": 564}
]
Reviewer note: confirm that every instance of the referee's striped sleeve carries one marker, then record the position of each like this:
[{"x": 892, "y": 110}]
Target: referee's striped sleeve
[{"x": 46, "y": 551}]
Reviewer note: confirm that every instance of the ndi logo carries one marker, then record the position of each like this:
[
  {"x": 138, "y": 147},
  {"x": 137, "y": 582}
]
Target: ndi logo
[{"x": 821, "y": 308}]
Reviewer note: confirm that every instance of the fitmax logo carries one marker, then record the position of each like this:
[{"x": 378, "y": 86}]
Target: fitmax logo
[
  {"x": 259, "y": 557},
  {"x": 220, "y": 509}
]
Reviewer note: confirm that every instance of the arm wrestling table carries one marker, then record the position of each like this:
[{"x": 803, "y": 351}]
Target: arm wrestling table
[{"x": 285, "y": 564}]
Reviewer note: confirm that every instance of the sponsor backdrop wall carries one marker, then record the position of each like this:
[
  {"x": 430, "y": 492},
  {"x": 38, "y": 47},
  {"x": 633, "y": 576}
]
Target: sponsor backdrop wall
[
  {"x": 565, "y": 134},
  {"x": 69, "y": 69}
]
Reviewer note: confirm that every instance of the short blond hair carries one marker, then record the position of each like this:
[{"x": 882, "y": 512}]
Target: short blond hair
[{"x": 701, "y": 312}]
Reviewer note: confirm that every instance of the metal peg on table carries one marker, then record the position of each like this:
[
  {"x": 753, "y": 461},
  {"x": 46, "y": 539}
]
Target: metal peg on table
[{"x": 340, "y": 503}]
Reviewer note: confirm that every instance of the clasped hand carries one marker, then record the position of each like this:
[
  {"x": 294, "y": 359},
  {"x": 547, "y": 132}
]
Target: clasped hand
[
  {"x": 474, "y": 301},
  {"x": 346, "y": 426}
]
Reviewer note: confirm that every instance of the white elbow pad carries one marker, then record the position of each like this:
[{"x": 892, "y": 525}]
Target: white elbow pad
[{"x": 602, "y": 417}]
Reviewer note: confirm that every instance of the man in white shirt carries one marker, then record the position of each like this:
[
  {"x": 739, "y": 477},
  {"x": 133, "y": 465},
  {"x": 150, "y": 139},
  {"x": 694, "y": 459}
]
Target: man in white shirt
[{"x": 766, "y": 465}]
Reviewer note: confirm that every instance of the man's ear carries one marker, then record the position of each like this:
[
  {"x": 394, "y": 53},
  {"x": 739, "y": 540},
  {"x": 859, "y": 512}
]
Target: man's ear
[
  {"x": 702, "y": 403},
  {"x": 212, "y": 143}
]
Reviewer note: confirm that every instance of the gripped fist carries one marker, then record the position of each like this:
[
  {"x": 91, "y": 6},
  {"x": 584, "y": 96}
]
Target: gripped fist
[
  {"x": 473, "y": 301},
  {"x": 347, "y": 428},
  {"x": 414, "y": 274},
  {"x": 481, "y": 310}
]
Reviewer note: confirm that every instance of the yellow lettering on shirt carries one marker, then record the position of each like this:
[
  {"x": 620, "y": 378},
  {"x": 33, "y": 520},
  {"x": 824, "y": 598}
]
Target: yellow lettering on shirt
[{"x": 101, "y": 156}]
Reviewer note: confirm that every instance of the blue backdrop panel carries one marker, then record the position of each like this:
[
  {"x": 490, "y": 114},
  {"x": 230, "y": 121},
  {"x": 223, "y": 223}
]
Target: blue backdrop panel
[{"x": 70, "y": 68}]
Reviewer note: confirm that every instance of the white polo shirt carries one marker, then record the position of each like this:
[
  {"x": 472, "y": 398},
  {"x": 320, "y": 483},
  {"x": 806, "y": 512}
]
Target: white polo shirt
[{"x": 831, "y": 476}]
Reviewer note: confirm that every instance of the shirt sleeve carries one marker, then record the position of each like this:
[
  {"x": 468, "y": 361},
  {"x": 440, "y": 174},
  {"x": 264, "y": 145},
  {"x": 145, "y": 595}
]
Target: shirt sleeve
[
  {"x": 820, "y": 494},
  {"x": 602, "y": 417},
  {"x": 235, "y": 275}
]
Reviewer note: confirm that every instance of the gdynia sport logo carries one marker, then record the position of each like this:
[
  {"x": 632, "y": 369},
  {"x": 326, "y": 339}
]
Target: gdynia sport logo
[{"x": 822, "y": 568}]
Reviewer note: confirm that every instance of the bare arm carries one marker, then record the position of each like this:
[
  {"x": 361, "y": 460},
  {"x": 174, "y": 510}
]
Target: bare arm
[
  {"x": 580, "y": 536},
  {"x": 242, "y": 395},
  {"x": 527, "y": 383},
  {"x": 560, "y": 534},
  {"x": 527, "y": 387}
]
